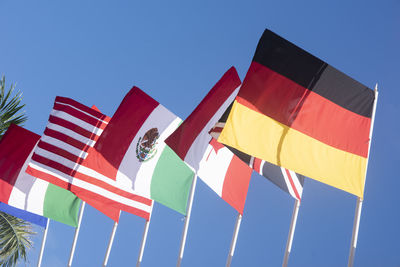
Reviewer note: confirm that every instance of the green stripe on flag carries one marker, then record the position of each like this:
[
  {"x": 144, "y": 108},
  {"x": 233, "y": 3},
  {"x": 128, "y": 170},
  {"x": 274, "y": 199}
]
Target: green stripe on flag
[
  {"x": 61, "y": 205},
  {"x": 171, "y": 181}
]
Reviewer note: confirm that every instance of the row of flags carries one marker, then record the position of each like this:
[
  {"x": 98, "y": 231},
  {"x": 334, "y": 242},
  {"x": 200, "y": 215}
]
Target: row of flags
[{"x": 293, "y": 117}]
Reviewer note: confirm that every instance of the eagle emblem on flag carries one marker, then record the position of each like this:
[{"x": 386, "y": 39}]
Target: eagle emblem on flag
[{"x": 146, "y": 145}]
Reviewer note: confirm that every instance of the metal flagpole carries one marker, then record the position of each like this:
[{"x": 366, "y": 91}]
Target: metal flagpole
[
  {"x": 187, "y": 219},
  {"x": 110, "y": 243},
  {"x": 71, "y": 256},
  {"x": 357, "y": 215},
  {"x": 234, "y": 239},
  {"x": 43, "y": 243},
  {"x": 144, "y": 238},
  {"x": 291, "y": 233}
]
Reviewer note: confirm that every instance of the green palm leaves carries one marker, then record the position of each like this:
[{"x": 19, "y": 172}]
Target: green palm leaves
[
  {"x": 10, "y": 107},
  {"x": 14, "y": 239}
]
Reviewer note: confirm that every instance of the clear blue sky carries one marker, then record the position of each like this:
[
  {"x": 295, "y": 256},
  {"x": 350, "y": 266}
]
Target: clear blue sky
[{"x": 95, "y": 51}]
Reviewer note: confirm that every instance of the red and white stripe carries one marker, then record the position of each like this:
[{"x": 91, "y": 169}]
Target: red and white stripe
[
  {"x": 226, "y": 174},
  {"x": 294, "y": 187},
  {"x": 69, "y": 137}
]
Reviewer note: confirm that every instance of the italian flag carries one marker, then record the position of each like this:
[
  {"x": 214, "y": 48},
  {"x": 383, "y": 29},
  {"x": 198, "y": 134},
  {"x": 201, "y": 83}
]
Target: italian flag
[{"x": 23, "y": 191}]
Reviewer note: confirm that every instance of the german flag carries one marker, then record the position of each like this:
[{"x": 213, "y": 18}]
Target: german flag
[{"x": 296, "y": 111}]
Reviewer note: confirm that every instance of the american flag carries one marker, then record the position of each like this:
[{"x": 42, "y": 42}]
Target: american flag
[{"x": 61, "y": 158}]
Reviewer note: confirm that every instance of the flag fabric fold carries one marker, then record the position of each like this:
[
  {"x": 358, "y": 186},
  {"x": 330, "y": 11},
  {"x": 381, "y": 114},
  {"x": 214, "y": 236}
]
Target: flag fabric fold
[
  {"x": 131, "y": 152},
  {"x": 296, "y": 111},
  {"x": 25, "y": 192},
  {"x": 287, "y": 180},
  {"x": 217, "y": 166},
  {"x": 60, "y": 158}
]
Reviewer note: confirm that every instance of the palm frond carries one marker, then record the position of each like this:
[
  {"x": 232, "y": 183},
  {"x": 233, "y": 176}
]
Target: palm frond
[
  {"x": 10, "y": 107},
  {"x": 15, "y": 240}
]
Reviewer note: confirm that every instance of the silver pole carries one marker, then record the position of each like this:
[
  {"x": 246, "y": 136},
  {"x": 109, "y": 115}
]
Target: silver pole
[
  {"x": 187, "y": 219},
  {"x": 291, "y": 233},
  {"x": 357, "y": 215},
  {"x": 144, "y": 238},
  {"x": 110, "y": 244},
  {"x": 71, "y": 256},
  {"x": 234, "y": 239},
  {"x": 43, "y": 243}
]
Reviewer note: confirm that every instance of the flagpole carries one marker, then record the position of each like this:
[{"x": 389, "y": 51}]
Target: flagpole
[
  {"x": 357, "y": 215},
  {"x": 43, "y": 243},
  {"x": 71, "y": 256},
  {"x": 291, "y": 233},
  {"x": 144, "y": 238},
  {"x": 234, "y": 239},
  {"x": 187, "y": 219},
  {"x": 110, "y": 243}
]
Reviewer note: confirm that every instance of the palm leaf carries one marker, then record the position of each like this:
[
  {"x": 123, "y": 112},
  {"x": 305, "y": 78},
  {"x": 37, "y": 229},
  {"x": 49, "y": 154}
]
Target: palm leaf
[
  {"x": 10, "y": 107},
  {"x": 14, "y": 239},
  {"x": 15, "y": 233}
]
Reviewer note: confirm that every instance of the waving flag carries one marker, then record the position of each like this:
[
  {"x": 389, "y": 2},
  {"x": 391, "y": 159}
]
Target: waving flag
[
  {"x": 25, "y": 192},
  {"x": 296, "y": 111},
  {"x": 217, "y": 166},
  {"x": 59, "y": 158},
  {"x": 131, "y": 152},
  {"x": 288, "y": 181}
]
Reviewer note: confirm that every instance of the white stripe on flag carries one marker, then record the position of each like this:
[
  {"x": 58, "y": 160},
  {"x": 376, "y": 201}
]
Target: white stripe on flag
[
  {"x": 71, "y": 133},
  {"x": 288, "y": 184},
  {"x": 214, "y": 166},
  {"x": 90, "y": 187},
  {"x": 196, "y": 150},
  {"x": 28, "y": 192},
  {"x": 87, "y": 126},
  {"x": 143, "y": 178},
  {"x": 61, "y": 144},
  {"x": 129, "y": 169},
  {"x": 297, "y": 183},
  {"x": 65, "y": 104}
]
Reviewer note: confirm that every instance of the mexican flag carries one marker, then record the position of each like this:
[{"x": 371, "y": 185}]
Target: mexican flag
[{"x": 131, "y": 152}]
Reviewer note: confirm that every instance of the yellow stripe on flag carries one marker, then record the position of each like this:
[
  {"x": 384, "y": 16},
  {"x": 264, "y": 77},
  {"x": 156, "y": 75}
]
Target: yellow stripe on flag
[{"x": 260, "y": 136}]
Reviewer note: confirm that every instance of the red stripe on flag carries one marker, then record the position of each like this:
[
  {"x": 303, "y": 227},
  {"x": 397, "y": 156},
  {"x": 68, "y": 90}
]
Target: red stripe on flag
[
  {"x": 59, "y": 151},
  {"x": 66, "y": 139},
  {"x": 183, "y": 137},
  {"x": 15, "y": 146},
  {"x": 108, "y": 203},
  {"x": 257, "y": 165},
  {"x": 236, "y": 184},
  {"x": 285, "y": 101},
  {"x": 80, "y": 115},
  {"x": 73, "y": 127},
  {"x": 94, "y": 112},
  {"x": 133, "y": 111},
  {"x": 74, "y": 174},
  {"x": 292, "y": 184}
]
